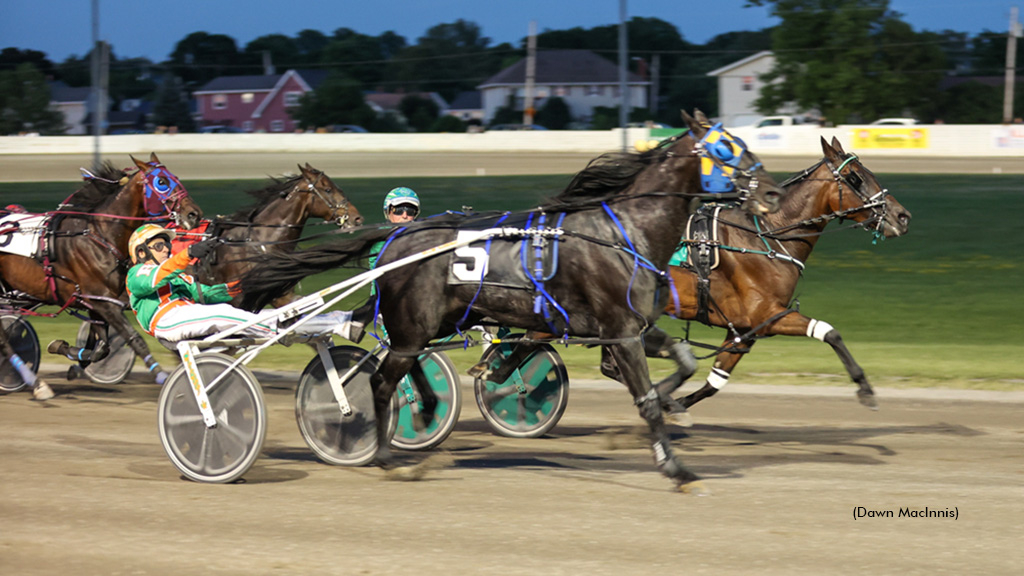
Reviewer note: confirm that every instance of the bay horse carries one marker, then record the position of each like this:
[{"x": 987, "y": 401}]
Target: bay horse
[
  {"x": 761, "y": 259},
  {"x": 619, "y": 221},
  {"x": 86, "y": 261},
  {"x": 273, "y": 224}
]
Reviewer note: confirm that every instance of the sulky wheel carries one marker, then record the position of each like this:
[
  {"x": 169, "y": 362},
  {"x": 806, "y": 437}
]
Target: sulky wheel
[
  {"x": 416, "y": 429},
  {"x": 118, "y": 363},
  {"x": 226, "y": 451},
  {"x": 531, "y": 401},
  {"x": 336, "y": 438},
  {"x": 23, "y": 339}
]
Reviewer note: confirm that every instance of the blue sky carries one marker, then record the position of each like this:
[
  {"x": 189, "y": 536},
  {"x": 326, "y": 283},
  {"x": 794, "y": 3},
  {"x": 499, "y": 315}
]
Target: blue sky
[{"x": 61, "y": 28}]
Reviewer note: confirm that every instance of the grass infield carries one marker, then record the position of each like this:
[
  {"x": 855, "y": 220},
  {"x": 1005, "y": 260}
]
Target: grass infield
[{"x": 940, "y": 307}]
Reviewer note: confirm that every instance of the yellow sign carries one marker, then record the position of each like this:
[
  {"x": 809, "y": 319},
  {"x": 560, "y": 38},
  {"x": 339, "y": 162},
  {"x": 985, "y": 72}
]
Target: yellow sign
[{"x": 890, "y": 138}]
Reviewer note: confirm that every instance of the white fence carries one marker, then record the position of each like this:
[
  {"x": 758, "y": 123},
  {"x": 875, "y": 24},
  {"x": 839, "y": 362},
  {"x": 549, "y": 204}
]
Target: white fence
[{"x": 905, "y": 141}]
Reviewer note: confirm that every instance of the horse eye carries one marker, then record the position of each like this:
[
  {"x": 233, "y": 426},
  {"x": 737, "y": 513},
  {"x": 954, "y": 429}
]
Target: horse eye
[{"x": 854, "y": 179}]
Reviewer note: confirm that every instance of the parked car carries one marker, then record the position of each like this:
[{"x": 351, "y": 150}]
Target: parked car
[
  {"x": 894, "y": 122},
  {"x": 221, "y": 130},
  {"x": 347, "y": 129},
  {"x": 517, "y": 127}
]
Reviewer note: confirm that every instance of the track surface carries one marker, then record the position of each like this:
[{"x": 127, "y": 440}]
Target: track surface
[{"x": 87, "y": 489}]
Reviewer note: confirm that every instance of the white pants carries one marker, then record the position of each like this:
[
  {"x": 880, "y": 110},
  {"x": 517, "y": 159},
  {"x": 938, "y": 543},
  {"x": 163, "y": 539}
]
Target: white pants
[{"x": 198, "y": 320}]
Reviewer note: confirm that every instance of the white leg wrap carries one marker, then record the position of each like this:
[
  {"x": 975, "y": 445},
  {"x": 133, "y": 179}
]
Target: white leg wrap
[
  {"x": 817, "y": 329},
  {"x": 718, "y": 378}
]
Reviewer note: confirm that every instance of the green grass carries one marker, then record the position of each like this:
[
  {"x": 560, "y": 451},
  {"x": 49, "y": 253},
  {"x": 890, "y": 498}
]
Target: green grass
[{"x": 940, "y": 307}]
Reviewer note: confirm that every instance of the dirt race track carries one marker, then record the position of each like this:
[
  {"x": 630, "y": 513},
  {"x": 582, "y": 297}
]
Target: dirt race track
[{"x": 87, "y": 489}]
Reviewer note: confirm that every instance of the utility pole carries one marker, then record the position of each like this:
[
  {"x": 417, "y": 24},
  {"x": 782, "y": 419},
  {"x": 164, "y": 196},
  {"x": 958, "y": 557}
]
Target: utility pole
[
  {"x": 1011, "y": 65},
  {"x": 655, "y": 85},
  {"x": 97, "y": 127},
  {"x": 531, "y": 72},
  {"x": 623, "y": 67}
]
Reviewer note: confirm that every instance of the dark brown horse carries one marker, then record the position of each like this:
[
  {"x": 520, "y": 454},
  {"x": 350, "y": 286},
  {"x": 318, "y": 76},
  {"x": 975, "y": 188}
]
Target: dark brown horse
[
  {"x": 761, "y": 259},
  {"x": 275, "y": 224},
  {"x": 86, "y": 263},
  {"x": 623, "y": 217}
]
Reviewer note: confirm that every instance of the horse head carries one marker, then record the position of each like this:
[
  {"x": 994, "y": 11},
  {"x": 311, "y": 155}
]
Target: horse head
[
  {"x": 729, "y": 167},
  {"x": 163, "y": 194},
  {"x": 858, "y": 196},
  {"x": 330, "y": 202}
]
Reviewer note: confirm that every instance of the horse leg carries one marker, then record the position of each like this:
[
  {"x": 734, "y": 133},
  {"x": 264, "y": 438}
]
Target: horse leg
[
  {"x": 384, "y": 383},
  {"x": 98, "y": 352},
  {"x": 115, "y": 319},
  {"x": 658, "y": 344},
  {"x": 424, "y": 417},
  {"x": 823, "y": 331},
  {"x": 40, "y": 389},
  {"x": 629, "y": 356},
  {"x": 725, "y": 362}
]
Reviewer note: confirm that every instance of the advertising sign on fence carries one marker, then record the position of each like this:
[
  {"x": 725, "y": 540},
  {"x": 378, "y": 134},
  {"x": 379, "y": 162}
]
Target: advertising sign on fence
[{"x": 890, "y": 137}]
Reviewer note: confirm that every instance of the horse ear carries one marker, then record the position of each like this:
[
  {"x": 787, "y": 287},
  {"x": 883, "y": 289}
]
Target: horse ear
[
  {"x": 153, "y": 158},
  {"x": 701, "y": 117},
  {"x": 695, "y": 128},
  {"x": 142, "y": 165},
  {"x": 828, "y": 151},
  {"x": 305, "y": 170},
  {"x": 837, "y": 145}
]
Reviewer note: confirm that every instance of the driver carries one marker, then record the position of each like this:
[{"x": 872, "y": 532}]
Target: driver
[{"x": 164, "y": 298}]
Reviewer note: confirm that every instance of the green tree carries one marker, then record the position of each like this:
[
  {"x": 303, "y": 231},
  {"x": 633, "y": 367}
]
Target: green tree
[
  {"x": 853, "y": 60},
  {"x": 25, "y": 102},
  {"x": 448, "y": 123},
  {"x": 359, "y": 56},
  {"x": 449, "y": 59},
  {"x": 421, "y": 113},
  {"x": 284, "y": 53},
  {"x": 201, "y": 57},
  {"x": 171, "y": 106},
  {"x": 554, "y": 114},
  {"x": 311, "y": 44},
  {"x": 338, "y": 100}
]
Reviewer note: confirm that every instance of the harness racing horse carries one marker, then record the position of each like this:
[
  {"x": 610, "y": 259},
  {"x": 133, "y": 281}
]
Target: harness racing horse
[
  {"x": 275, "y": 223},
  {"x": 84, "y": 264},
  {"x": 618, "y": 223},
  {"x": 762, "y": 257}
]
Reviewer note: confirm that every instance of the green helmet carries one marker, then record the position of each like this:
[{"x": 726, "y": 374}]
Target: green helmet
[{"x": 400, "y": 195}]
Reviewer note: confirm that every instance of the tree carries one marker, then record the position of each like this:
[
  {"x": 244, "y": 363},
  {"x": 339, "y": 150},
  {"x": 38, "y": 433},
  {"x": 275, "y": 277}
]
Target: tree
[
  {"x": 310, "y": 44},
  {"x": 448, "y": 123},
  {"x": 171, "y": 106},
  {"x": 554, "y": 114},
  {"x": 201, "y": 57},
  {"x": 25, "y": 102},
  {"x": 284, "y": 53},
  {"x": 359, "y": 56},
  {"x": 852, "y": 60},
  {"x": 338, "y": 100},
  {"x": 421, "y": 113},
  {"x": 449, "y": 59}
]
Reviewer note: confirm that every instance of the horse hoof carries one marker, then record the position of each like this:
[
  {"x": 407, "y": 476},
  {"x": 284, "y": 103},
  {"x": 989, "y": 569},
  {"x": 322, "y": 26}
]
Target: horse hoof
[
  {"x": 161, "y": 377},
  {"x": 868, "y": 400},
  {"x": 682, "y": 419},
  {"x": 696, "y": 488},
  {"x": 418, "y": 471},
  {"x": 479, "y": 371}
]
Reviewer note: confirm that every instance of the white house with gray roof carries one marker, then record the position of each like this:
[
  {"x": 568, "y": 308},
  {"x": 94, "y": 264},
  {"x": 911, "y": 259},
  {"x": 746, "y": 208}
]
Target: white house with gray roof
[{"x": 580, "y": 77}]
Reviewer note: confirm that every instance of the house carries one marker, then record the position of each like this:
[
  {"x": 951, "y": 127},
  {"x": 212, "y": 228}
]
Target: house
[
  {"x": 74, "y": 103},
  {"x": 255, "y": 103},
  {"x": 581, "y": 78},
  {"x": 739, "y": 85},
  {"x": 468, "y": 107}
]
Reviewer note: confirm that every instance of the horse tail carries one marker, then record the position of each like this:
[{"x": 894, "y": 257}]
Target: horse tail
[{"x": 274, "y": 274}]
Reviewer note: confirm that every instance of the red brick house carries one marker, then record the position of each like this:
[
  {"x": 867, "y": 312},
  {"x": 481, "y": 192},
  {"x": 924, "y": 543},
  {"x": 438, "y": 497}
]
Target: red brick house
[{"x": 255, "y": 103}]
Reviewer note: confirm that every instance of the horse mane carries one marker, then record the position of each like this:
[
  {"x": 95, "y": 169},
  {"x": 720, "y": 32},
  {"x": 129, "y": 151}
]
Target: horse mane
[
  {"x": 263, "y": 196},
  {"x": 96, "y": 191},
  {"x": 606, "y": 176}
]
